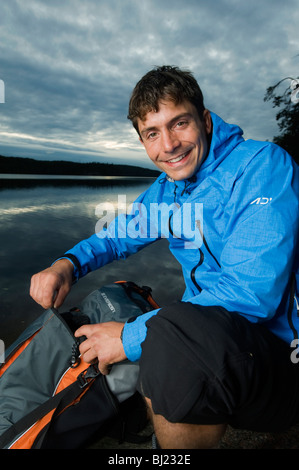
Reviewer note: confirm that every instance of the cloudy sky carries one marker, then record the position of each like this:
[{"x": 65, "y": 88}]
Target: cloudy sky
[{"x": 69, "y": 67}]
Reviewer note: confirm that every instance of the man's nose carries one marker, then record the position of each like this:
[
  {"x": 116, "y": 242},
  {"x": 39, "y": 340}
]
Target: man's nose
[{"x": 170, "y": 142}]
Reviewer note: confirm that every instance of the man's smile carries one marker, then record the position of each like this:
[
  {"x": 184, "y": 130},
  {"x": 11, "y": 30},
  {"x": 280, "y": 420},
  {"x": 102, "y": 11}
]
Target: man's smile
[{"x": 178, "y": 158}]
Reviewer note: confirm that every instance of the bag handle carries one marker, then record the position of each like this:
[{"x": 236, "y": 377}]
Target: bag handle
[{"x": 144, "y": 291}]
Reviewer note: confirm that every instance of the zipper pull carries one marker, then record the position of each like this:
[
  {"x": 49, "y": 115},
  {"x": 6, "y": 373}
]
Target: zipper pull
[
  {"x": 75, "y": 358},
  {"x": 175, "y": 188}
]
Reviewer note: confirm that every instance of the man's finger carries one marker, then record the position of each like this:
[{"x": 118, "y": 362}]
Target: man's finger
[
  {"x": 104, "y": 368},
  {"x": 85, "y": 330},
  {"x": 59, "y": 297}
]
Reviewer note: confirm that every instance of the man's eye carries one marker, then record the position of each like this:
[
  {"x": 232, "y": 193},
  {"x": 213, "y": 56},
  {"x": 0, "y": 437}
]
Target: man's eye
[
  {"x": 152, "y": 135},
  {"x": 181, "y": 124}
]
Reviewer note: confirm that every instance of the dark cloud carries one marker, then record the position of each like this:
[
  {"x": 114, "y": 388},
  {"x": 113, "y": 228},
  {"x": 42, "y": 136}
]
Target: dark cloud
[{"x": 69, "y": 67}]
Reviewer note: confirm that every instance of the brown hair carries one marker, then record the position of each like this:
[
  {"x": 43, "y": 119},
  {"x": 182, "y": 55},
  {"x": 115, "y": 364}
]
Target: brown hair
[{"x": 165, "y": 82}]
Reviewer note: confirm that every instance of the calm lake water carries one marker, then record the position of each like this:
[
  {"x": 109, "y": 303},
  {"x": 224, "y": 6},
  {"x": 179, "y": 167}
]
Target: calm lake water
[{"x": 42, "y": 217}]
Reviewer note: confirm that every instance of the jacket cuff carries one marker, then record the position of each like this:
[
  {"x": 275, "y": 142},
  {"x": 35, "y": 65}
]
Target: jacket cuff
[
  {"x": 133, "y": 335},
  {"x": 75, "y": 263}
]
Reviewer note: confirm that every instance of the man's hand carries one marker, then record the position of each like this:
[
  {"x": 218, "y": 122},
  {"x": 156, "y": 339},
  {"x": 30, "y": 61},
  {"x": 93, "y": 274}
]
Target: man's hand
[
  {"x": 103, "y": 343},
  {"x": 50, "y": 287}
]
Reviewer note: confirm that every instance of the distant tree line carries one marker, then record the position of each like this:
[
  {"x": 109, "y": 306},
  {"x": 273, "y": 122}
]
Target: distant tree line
[{"x": 18, "y": 165}]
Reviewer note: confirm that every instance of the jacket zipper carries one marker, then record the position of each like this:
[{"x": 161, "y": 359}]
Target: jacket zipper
[
  {"x": 206, "y": 243},
  {"x": 201, "y": 257},
  {"x": 193, "y": 279},
  {"x": 293, "y": 299}
]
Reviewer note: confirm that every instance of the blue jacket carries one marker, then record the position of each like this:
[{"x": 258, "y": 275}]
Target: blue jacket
[{"x": 233, "y": 227}]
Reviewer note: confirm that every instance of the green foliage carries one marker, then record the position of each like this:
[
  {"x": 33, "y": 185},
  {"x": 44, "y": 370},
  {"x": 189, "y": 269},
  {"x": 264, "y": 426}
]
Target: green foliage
[{"x": 287, "y": 118}]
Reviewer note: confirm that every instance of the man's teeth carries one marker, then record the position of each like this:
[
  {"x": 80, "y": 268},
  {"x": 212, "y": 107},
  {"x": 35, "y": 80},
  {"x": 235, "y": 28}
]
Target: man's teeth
[{"x": 178, "y": 159}]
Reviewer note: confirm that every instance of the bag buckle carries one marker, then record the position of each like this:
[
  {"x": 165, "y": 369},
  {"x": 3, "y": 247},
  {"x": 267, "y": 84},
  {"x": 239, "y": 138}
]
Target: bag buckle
[{"x": 88, "y": 375}]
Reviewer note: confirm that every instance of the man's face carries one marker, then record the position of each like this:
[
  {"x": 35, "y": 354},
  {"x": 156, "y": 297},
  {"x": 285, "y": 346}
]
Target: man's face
[{"x": 175, "y": 138}]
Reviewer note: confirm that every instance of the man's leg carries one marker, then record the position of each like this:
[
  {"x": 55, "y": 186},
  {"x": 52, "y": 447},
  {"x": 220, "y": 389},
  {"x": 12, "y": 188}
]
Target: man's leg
[
  {"x": 202, "y": 366},
  {"x": 185, "y": 436}
]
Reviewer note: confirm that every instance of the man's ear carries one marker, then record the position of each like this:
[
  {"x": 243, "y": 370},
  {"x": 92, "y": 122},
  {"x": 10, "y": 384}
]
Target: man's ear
[
  {"x": 207, "y": 119},
  {"x": 141, "y": 140}
]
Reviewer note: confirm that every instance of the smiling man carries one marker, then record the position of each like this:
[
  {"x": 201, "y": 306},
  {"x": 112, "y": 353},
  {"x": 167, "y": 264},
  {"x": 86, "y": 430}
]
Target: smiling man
[
  {"x": 175, "y": 138},
  {"x": 222, "y": 355}
]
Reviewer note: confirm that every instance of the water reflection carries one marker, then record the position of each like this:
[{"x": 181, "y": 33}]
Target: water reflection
[{"x": 41, "y": 219}]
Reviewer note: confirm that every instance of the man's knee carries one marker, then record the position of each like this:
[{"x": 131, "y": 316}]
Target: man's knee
[{"x": 182, "y": 435}]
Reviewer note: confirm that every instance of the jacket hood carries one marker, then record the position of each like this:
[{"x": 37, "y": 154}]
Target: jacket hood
[{"x": 225, "y": 137}]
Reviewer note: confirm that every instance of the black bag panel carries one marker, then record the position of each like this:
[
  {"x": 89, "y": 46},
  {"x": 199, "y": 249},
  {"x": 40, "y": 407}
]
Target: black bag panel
[
  {"x": 72, "y": 428},
  {"x": 130, "y": 421}
]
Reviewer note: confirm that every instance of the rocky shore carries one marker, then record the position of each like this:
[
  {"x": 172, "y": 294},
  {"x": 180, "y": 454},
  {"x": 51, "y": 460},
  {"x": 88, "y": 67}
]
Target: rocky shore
[{"x": 233, "y": 439}]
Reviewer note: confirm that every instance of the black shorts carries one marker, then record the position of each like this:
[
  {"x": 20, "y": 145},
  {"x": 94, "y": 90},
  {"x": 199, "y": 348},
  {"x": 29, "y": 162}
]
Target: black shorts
[{"x": 205, "y": 365}]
